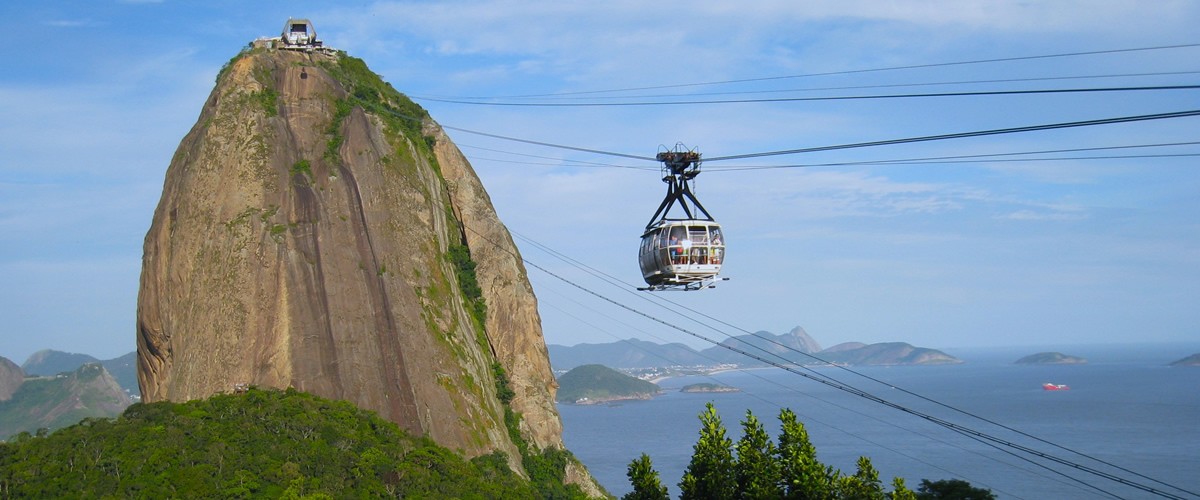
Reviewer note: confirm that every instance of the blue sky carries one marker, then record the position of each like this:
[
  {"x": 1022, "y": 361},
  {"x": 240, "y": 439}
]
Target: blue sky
[{"x": 96, "y": 95}]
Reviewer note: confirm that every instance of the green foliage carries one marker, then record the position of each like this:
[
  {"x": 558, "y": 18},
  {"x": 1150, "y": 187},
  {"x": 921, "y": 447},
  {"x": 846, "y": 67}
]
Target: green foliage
[
  {"x": 259, "y": 444},
  {"x": 546, "y": 468},
  {"x": 900, "y": 491},
  {"x": 863, "y": 485},
  {"x": 710, "y": 474},
  {"x": 791, "y": 470},
  {"x": 302, "y": 167},
  {"x": 468, "y": 282},
  {"x": 757, "y": 469},
  {"x": 368, "y": 90},
  {"x": 952, "y": 489},
  {"x": 341, "y": 109},
  {"x": 644, "y": 479},
  {"x": 803, "y": 476},
  {"x": 503, "y": 389},
  {"x": 268, "y": 99}
]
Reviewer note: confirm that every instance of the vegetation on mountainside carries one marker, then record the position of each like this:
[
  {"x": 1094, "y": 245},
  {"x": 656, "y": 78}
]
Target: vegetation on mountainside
[
  {"x": 601, "y": 383},
  {"x": 757, "y": 467},
  {"x": 43, "y": 404},
  {"x": 399, "y": 113},
  {"x": 261, "y": 443}
]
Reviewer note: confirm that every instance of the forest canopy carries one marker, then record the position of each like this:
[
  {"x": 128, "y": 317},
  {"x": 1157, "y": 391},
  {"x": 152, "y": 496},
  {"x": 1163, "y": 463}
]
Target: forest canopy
[{"x": 260, "y": 443}]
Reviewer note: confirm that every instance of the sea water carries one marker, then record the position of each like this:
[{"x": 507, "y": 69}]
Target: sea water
[{"x": 1125, "y": 407}]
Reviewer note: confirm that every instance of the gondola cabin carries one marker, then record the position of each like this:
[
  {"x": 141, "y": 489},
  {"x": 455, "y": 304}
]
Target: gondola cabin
[{"x": 684, "y": 254}]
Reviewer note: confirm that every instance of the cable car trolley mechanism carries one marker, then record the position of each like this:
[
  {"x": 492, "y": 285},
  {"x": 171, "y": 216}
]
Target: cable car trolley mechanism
[{"x": 681, "y": 253}]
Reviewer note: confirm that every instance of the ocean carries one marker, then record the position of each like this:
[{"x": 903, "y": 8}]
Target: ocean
[{"x": 1125, "y": 407}]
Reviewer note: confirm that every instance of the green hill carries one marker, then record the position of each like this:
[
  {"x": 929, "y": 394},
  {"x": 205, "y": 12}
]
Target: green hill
[
  {"x": 1050, "y": 358},
  {"x": 597, "y": 383},
  {"x": 61, "y": 400},
  {"x": 258, "y": 444}
]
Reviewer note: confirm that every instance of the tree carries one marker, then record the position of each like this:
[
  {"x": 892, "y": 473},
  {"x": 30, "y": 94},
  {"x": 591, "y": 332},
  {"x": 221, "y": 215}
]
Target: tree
[
  {"x": 803, "y": 477},
  {"x": 710, "y": 474},
  {"x": 952, "y": 489},
  {"x": 863, "y": 485},
  {"x": 900, "y": 491},
  {"x": 644, "y": 479},
  {"x": 756, "y": 469}
]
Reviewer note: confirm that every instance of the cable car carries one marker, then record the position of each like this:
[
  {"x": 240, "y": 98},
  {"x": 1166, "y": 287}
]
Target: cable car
[{"x": 681, "y": 253}]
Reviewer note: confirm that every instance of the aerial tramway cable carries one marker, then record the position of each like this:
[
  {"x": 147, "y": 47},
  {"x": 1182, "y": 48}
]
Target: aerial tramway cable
[
  {"x": 977, "y": 133},
  {"x": 869, "y": 70},
  {"x": 825, "y": 380},
  {"x": 616, "y": 282},
  {"x": 809, "y": 99}
]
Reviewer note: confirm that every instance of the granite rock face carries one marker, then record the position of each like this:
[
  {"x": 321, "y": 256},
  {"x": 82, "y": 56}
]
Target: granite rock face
[{"x": 303, "y": 240}]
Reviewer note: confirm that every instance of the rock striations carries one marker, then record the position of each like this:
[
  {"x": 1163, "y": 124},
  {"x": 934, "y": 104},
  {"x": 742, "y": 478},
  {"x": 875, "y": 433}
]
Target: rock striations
[{"x": 318, "y": 230}]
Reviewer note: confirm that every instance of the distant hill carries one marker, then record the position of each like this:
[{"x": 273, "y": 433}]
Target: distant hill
[
  {"x": 784, "y": 345},
  {"x": 633, "y": 353},
  {"x": 50, "y": 362},
  {"x": 1193, "y": 360},
  {"x": 61, "y": 400},
  {"x": 124, "y": 369},
  {"x": 1050, "y": 358},
  {"x": 889, "y": 353},
  {"x": 708, "y": 387},
  {"x": 11, "y": 378},
  {"x": 589, "y": 384}
]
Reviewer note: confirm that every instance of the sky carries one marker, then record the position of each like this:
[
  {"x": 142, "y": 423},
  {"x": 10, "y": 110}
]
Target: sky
[{"x": 1055, "y": 249}]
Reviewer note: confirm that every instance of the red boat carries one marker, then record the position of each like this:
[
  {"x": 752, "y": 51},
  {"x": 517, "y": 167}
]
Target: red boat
[{"x": 1055, "y": 387}]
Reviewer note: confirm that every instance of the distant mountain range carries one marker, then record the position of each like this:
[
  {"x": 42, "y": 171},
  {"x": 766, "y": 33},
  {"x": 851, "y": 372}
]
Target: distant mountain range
[
  {"x": 795, "y": 347},
  {"x": 49, "y": 362}
]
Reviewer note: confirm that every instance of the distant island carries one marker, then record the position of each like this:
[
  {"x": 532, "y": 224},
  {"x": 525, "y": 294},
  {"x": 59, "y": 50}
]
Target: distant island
[
  {"x": 1193, "y": 360},
  {"x": 794, "y": 347},
  {"x": 707, "y": 387},
  {"x": 595, "y": 384},
  {"x": 1050, "y": 358}
]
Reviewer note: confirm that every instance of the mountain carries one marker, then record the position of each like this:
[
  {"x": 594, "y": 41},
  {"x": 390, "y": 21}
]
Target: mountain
[
  {"x": 1050, "y": 358},
  {"x": 590, "y": 384},
  {"x": 888, "y": 353},
  {"x": 1193, "y": 360},
  {"x": 631, "y": 353},
  {"x": 61, "y": 400},
  {"x": 635, "y": 353},
  {"x": 763, "y": 342},
  {"x": 11, "y": 378},
  {"x": 318, "y": 230},
  {"x": 48, "y": 362},
  {"x": 124, "y": 370}
]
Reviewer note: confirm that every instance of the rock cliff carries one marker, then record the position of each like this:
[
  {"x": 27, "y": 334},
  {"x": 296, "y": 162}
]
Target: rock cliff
[{"x": 318, "y": 230}]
